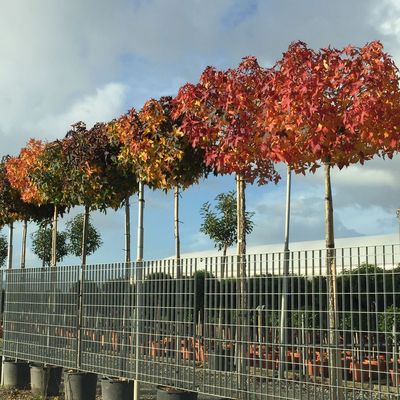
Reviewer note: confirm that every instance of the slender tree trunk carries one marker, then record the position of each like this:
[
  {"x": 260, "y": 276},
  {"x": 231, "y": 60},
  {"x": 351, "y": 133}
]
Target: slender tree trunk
[
  {"x": 176, "y": 223},
  {"x": 241, "y": 228},
  {"x": 224, "y": 269},
  {"x": 140, "y": 229},
  {"x": 126, "y": 300},
  {"x": 53, "y": 262},
  {"x": 283, "y": 331},
  {"x": 221, "y": 312},
  {"x": 178, "y": 295},
  {"x": 242, "y": 334},
  {"x": 23, "y": 244},
  {"x": 10, "y": 245},
  {"x": 81, "y": 283},
  {"x": 127, "y": 231},
  {"x": 9, "y": 266},
  {"x": 139, "y": 260},
  {"x": 85, "y": 235},
  {"x": 334, "y": 351}
]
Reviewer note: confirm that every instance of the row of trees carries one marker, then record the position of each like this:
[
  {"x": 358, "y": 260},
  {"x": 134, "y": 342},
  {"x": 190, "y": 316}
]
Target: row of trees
[
  {"x": 68, "y": 241},
  {"x": 326, "y": 108}
]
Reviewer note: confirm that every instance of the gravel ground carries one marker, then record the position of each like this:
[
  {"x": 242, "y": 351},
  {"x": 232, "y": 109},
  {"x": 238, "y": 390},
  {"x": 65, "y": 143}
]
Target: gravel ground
[
  {"x": 148, "y": 392},
  {"x": 285, "y": 391}
]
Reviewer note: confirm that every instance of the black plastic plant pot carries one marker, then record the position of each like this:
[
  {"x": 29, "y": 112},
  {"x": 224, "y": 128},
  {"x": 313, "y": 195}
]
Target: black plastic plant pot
[
  {"x": 167, "y": 393},
  {"x": 45, "y": 380},
  {"x": 80, "y": 385},
  {"x": 116, "y": 389},
  {"x": 16, "y": 374}
]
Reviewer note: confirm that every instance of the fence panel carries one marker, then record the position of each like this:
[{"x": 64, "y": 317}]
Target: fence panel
[
  {"x": 108, "y": 320},
  {"x": 40, "y": 321},
  {"x": 301, "y": 325},
  {"x": 166, "y": 336}
]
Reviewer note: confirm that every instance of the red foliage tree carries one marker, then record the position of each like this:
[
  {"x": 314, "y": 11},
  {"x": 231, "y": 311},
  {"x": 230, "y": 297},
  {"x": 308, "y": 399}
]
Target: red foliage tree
[
  {"x": 220, "y": 117},
  {"x": 332, "y": 107}
]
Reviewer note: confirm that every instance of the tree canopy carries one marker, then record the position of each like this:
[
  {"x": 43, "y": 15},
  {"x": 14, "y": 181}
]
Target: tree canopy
[
  {"x": 219, "y": 116},
  {"x": 12, "y": 207},
  {"x": 155, "y": 146},
  {"x": 96, "y": 178},
  {"x": 334, "y": 106},
  {"x": 74, "y": 235},
  {"x": 220, "y": 224},
  {"x": 42, "y": 245},
  {"x": 3, "y": 250}
]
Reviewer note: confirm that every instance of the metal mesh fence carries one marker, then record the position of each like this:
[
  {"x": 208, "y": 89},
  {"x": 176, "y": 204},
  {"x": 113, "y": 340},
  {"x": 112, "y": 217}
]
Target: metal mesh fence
[
  {"x": 301, "y": 325},
  {"x": 40, "y": 320}
]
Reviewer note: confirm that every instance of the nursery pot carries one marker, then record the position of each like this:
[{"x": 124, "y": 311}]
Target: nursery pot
[
  {"x": 16, "y": 374},
  {"x": 80, "y": 385},
  {"x": 167, "y": 393},
  {"x": 45, "y": 381},
  {"x": 115, "y": 389}
]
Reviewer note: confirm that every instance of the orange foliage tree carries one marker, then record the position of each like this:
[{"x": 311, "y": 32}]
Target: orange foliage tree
[
  {"x": 155, "y": 147},
  {"x": 18, "y": 174}
]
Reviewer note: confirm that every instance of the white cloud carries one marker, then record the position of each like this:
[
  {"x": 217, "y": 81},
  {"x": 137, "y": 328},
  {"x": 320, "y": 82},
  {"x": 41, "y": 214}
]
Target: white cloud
[
  {"x": 386, "y": 16},
  {"x": 101, "y": 106}
]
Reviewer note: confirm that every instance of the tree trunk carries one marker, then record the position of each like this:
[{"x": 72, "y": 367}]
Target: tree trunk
[
  {"x": 85, "y": 235},
  {"x": 176, "y": 224},
  {"x": 10, "y": 245},
  {"x": 126, "y": 300},
  {"x": 53, "y": 262},
  {"x": 224, "y": 266},
  {"x": 334, "y": 351},
  {"x": 223, "y": 292},
  {"x": 81, "y": 284},
  {"x": 140, "y": 229},
  {"x": 242, "y": 333},
  {"x": 138, "y": 273},
  {"x": 241, "y": 228},
  {"x": 23, "y": 244},
  {"x": 283, "y": 331},
  {"x": 178, "y": 294},
  {"x": 127, "y": 230}
]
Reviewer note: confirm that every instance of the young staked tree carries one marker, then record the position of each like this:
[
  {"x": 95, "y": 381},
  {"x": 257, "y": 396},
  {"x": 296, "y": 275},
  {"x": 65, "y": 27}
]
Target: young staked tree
[
  {"x": 15, "y": 202},
  {"x": 220, "y": 117},
  {"x": 220, "y": 225},
  {"x": 155, "y": 148},
  {"x": 174, "y": 163},
  {"x": 49, "y": 174},
  {"x": 333, "y": 108},
  {"x": 74, "y": 236},
  {"x": 97, "y": 180},
  {"x": 42, "y": 245}
]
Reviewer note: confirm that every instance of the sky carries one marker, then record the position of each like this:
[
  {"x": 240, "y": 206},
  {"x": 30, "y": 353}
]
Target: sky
[{"x": 65, "y": 61}]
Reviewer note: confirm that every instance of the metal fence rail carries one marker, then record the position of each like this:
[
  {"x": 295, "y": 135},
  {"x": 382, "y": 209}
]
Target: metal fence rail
[{"x": 330, "y": 328}]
